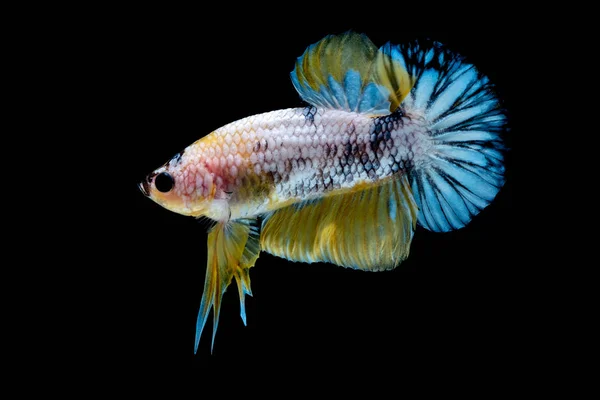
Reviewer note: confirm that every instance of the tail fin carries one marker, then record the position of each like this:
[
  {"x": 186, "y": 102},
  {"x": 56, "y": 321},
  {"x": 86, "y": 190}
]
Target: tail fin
[{"x": 463, "y": 171}]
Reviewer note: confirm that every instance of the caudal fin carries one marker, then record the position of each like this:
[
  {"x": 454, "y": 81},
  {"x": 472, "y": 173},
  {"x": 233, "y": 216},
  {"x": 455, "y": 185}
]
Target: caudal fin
[{"x": 464, "y": 170}]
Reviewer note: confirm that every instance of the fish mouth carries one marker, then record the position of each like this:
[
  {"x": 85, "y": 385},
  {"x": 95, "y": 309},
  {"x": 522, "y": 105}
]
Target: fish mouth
[{"x": 143, "y": 186}]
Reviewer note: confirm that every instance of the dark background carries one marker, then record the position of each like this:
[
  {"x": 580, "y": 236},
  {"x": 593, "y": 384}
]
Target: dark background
[{"x": 457, "y": 297}]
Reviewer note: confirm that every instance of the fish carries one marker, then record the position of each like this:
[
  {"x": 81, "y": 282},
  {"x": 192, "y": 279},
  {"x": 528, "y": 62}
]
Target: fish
[{"x": 389, "y": 138}]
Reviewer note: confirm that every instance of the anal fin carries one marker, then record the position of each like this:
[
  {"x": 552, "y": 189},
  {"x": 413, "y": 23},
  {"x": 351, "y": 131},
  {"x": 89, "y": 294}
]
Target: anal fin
[
  {"x": 233, "y": 248},
  {"x": 368, "y": 228}
]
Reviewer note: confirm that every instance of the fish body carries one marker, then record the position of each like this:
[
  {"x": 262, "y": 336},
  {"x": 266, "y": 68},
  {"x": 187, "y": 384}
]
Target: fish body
[
  {"x": 268, "y": 161},
  {"x": 390, "y": 137}
]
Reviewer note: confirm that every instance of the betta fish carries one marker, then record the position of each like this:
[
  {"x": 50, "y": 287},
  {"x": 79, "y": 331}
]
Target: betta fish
[{"x": 389, "y": 137}]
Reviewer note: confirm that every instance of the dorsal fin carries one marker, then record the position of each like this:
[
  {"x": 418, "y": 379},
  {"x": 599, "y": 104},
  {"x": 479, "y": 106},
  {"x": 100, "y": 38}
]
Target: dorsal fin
[{"x": 348, "y": 72}]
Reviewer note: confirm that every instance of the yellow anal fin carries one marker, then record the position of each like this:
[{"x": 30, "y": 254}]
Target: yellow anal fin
[
  {"x": 233, "y": 248},
  {"x": 369, "y": 228}
]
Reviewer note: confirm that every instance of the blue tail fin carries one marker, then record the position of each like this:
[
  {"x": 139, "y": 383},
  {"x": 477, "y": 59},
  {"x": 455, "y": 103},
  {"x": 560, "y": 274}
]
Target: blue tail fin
[{"x": 463, "y": 171}]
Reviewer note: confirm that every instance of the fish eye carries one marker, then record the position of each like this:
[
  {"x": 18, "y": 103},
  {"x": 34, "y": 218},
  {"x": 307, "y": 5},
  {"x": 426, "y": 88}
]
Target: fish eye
[{"x": 164, "y": 182}]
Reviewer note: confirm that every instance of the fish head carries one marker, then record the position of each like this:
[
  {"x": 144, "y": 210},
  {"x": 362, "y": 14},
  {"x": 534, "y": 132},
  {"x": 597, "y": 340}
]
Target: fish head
[{"x": 183, "y": 185}]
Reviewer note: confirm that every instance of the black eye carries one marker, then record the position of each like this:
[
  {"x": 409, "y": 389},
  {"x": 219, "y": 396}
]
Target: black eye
[{"x": 164, "y": 182}]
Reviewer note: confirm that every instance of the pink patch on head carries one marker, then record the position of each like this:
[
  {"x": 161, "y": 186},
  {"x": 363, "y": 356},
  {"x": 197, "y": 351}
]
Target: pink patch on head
[
  {"x": 190, "y": 182},
  {"x": 208, "y": 183}
]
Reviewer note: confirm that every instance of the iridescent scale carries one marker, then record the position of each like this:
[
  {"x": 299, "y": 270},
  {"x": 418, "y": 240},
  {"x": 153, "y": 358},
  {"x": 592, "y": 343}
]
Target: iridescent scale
[{"x": 297, "y": 154}]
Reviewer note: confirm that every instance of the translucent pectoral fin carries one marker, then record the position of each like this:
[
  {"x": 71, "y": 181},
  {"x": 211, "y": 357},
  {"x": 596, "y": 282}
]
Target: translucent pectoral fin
[{"x": 232, "y": 249}]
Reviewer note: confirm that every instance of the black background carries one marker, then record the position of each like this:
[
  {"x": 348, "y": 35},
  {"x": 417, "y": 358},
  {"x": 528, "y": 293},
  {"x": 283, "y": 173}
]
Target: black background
[{"x": 456, "y": 299}]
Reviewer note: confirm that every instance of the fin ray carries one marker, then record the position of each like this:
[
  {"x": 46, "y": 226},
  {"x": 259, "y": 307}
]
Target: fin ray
[
  {"x": 463, "y": 170},
  {"x": 368, "y": 228},
  {"x": 233, "y": 248},
  {"x": 348, "y": 72}
]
